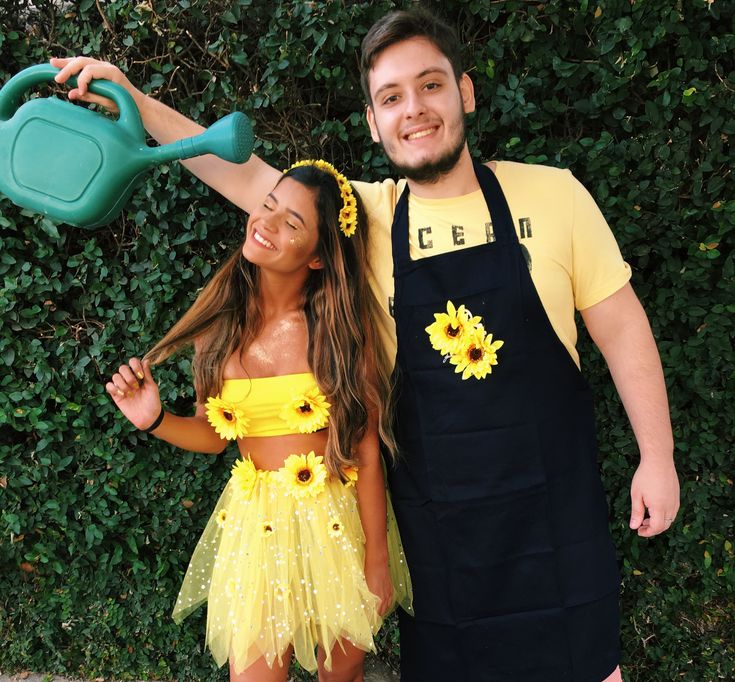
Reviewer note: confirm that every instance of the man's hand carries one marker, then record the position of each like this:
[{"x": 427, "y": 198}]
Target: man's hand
[
  {"x": 655, "y": 487},
  {"x": 86, "y": 70}
]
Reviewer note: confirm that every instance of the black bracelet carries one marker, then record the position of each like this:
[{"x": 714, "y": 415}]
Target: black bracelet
[{"x": 156, "y": 423}]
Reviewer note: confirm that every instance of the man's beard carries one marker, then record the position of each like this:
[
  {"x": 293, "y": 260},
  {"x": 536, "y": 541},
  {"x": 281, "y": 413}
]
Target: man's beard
[{"x": 431, "y": 172}]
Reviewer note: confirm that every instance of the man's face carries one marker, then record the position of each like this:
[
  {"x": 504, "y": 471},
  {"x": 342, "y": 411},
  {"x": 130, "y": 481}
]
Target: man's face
[{"x": 418, "y": 109}]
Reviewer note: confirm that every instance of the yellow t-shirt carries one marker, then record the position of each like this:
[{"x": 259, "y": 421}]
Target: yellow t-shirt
[{"x": 574, "y": 259}]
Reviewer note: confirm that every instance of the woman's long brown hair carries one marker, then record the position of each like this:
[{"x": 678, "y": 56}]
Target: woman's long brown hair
[{"x": 344, "y": 351}]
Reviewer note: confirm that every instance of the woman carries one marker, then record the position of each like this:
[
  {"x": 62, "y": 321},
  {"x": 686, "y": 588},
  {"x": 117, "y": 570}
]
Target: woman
[{"x": 301, "y": 549}]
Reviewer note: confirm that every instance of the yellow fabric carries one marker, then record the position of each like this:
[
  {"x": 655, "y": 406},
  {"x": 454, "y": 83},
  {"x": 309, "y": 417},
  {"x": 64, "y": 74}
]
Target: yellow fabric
[
  {"x": 263, "y": 400},
  {"x": 574, "y": 259},
  {"x": 279, "y": 569}
]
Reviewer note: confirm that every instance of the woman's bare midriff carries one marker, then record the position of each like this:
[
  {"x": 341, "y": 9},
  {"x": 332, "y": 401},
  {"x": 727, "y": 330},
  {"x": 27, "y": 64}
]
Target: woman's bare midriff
[{"x": 269, "y": 453}]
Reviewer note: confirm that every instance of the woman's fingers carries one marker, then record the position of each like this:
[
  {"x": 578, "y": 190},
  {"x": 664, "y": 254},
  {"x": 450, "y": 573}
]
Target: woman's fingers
[
  {"x": 138, "y": 370},
  {"x": 129, "y": 377},
  {"x": 114, "y": 391},
  {"x": 125, "y": 381}
]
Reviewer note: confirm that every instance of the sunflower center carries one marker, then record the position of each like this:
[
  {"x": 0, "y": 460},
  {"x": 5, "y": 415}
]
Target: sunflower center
[
  {"x": 227, "y": 416},
  {"x": 475, "y": 354},
  {"x": 304, "y": 475},
  {"x": 267, "y": 529},
  {"x": 305, "y": 408},
  {"x": 335, "y": 526},
  {"x": 452, "y": 331}
]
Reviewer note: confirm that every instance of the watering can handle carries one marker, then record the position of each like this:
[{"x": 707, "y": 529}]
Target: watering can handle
[{"x": 12, "y": 91}]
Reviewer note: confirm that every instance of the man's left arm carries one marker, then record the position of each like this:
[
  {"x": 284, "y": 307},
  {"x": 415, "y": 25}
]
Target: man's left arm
[{"x": 620, "y": 328}]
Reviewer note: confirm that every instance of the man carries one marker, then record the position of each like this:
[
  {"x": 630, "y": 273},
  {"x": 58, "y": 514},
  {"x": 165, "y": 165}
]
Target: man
[{"x": 497, "y": 491}]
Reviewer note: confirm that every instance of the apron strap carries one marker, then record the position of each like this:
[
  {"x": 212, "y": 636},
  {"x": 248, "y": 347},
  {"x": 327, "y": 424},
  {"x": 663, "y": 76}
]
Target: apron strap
[
  {"x": 399, "y": 232},
  {"x": 500, "y": 215}
]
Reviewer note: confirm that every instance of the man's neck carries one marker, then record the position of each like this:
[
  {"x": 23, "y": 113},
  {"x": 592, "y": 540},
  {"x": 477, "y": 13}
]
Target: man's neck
[{"x": 457, "y": 182}]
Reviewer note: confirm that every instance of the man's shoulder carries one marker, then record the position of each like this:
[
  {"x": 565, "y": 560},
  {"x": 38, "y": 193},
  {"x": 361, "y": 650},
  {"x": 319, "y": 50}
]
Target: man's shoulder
[
  {"x": 530, "y": 171},
  {"x": 386, "y": 190}
]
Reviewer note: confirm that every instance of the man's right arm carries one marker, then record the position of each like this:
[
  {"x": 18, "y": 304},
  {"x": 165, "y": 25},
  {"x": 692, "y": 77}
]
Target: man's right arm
[{"x": 245, "y": 185}]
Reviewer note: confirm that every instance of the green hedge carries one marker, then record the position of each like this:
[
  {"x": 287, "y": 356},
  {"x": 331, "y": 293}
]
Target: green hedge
[{"x": 97, "y": 521}]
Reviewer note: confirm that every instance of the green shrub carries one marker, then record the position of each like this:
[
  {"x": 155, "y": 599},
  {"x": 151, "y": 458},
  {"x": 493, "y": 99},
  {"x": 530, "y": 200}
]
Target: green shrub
[{"x": 98, "y": 521}]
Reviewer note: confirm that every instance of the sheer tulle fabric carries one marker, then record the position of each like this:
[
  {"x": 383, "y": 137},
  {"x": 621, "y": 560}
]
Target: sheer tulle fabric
[{"x": 278, "y": 570}]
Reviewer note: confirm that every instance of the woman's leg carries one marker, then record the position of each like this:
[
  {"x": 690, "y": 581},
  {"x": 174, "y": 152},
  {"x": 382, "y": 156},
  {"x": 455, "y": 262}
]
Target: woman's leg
[
  {"x": 260, "y": 672},
  {"x": 615, "y": 677},
  {"x": 347, "y": 665}
]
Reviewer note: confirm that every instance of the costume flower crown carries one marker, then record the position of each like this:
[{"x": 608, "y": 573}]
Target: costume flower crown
[{"x": 348, "y": 213}]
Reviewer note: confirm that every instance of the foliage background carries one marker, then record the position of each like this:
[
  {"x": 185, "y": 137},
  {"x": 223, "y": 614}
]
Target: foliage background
[{"x": 97, "y": 521}]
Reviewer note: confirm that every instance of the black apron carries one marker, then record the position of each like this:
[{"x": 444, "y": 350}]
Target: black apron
[{"x": 497, "y": 489}]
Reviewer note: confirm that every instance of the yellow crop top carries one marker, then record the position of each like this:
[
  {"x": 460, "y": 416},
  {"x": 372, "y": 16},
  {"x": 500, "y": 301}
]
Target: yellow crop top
[{"x": 268, "y": 406}]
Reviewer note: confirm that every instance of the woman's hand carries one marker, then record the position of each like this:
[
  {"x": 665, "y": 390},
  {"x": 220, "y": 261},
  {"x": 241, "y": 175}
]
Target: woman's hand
[
  {"x": 135, "y": 392},
  {"x": 86, "y": 69},
  {"x": 377, "y": 577}
]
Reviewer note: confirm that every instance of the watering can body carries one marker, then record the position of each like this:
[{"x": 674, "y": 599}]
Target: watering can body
[{"x": 80, "y": 167}]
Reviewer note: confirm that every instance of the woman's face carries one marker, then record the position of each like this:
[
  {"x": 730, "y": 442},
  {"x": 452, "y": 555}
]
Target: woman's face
[{"x": 283, "y": 231}]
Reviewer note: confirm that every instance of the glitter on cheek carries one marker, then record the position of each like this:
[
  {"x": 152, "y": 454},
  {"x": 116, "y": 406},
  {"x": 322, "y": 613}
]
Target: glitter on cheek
[{"x": 297, "y": 241}]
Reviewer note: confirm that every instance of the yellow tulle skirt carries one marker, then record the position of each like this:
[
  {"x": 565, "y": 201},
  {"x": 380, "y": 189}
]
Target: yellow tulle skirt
[{"x": 278, "y": 568}]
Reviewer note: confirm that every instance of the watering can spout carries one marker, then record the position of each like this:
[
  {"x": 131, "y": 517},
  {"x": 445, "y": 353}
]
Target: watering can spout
[{"x": 230, "y": 138}]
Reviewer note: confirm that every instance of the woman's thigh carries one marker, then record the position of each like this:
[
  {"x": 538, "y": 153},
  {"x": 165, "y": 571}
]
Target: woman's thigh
[
  {"x": 261, "y": 672},
  {"x": 347, "y": 664}
]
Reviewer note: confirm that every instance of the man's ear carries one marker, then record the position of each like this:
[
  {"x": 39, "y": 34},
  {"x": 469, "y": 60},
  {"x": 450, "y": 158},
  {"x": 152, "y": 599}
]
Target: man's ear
[
  {"x": 467, "y": 92},
  {"x": 370, "y": 116}
]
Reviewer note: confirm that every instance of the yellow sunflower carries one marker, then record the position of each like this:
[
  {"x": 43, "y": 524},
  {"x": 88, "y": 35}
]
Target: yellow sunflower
[
  {"x": 221, "y": 518},
  {"x": 477, "y": 357},
  {"x": 449, "y": 331},
  {"x": 335, "y": 527},
  {"x": 267, "y": 529},
  {"x": 350, "y": 473},
  {"x": 244, "y": 474},
  {"x": 348, "y": 218},
  {"x": 303, "y": 475},
  {"x": 307, "y": 412},
  {"x": 228, "y": 420}
]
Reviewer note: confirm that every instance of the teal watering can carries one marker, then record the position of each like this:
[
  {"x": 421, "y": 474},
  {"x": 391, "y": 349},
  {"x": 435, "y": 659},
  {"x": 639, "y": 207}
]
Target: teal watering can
[{"x": 79, "y": 166}]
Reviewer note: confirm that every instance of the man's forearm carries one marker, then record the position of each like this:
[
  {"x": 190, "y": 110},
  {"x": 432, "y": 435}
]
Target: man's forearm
[
  {"x": 162, "y": 122},
  {"x": 242, "y": 184},
  {"x": 620, "y": 329}
]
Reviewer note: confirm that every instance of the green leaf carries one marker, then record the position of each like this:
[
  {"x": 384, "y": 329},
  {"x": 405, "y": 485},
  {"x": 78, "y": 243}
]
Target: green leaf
[{"x": 49, "y": 228}]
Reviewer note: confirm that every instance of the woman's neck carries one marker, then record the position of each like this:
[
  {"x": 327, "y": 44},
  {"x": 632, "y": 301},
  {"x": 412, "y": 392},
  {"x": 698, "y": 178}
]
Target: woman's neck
[{"x": 281, "y": 294}]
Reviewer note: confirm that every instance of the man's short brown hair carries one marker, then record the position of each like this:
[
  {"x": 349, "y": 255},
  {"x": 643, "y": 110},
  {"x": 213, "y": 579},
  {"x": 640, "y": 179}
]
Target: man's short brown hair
[{"x": 401, "y": 25}]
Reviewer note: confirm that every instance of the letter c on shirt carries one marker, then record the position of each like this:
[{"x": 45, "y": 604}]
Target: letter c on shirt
[{"x": 425, "y": 232}]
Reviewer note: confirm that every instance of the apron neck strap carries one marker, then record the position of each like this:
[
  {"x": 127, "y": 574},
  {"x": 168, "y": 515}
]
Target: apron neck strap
[{"x": 497, "y": 205}]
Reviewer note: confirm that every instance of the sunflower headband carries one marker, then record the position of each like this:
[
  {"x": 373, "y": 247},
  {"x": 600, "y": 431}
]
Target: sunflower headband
[{"x": 348, "y": 213}]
